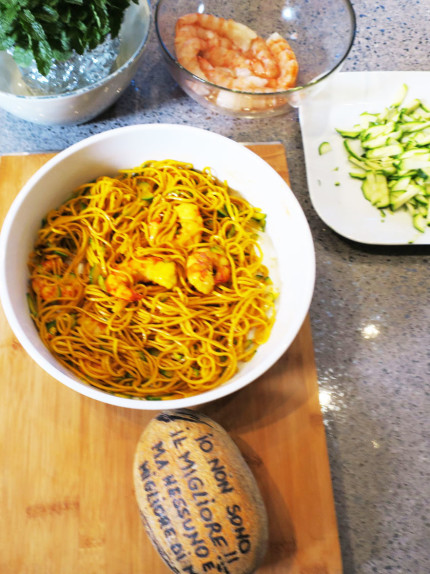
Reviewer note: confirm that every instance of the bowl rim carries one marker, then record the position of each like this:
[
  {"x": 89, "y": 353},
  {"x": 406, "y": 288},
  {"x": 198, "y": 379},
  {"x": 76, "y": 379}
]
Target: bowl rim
[
  {"x": 99, "y": 83},
  {"x": 296, "y": 89},
  {"x": 136, "y": 403}
]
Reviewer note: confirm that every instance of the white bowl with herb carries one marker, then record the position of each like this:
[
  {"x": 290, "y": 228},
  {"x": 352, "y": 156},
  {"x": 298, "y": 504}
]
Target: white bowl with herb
[{"x": 63, "y": 62}]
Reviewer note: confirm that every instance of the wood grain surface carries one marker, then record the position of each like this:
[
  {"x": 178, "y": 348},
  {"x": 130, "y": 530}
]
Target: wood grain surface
[{"x": 67, "y": 504}]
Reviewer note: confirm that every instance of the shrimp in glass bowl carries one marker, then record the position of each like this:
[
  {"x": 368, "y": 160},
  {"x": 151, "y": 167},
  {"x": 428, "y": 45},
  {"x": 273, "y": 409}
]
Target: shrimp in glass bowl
[{"x": 257, "y": 58}]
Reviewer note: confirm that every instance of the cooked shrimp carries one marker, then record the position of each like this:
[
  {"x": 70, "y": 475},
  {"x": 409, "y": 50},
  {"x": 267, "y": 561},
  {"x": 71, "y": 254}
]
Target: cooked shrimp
[
  {"x": 189, "y": 225},
  {"x": 243, "y": 81},
  {"x": 263, "y": 62},
  {"x": 118, "y": 286},
  {"x": 206, "y": 268},
  {"x": 231, "y": 55},
  {"x": 91, "y": 326},
  {"x": 240, "y": 71},
  {"x": 236, "y": 32},
  {"x": 49, "y": 284},
  {"x": 156, "y": 270},
  {"x": 187, "y": 52},
  {"x": 70, "y": 289},
  {"x": 53, "y": 264},
  {"x": 50, "y": 288},
  {"x": 221, "y": 56},
  {"x": 211, "y": 38},
  {"x": 46, "y": 288},
  {"x": 287, "y": 61},
  {"x": 197, "y": 34},
  {"x": 148, "y": 269}
]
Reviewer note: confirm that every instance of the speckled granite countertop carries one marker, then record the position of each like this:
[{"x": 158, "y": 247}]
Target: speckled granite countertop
[{"x": 374, "y": 381}]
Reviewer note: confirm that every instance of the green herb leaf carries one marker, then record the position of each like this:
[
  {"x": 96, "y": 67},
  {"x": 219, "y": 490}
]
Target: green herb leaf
[{"x": 47, "y": 29}]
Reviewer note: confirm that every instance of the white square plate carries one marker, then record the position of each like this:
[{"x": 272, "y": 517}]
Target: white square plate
[{"x": 336, "y": 197}]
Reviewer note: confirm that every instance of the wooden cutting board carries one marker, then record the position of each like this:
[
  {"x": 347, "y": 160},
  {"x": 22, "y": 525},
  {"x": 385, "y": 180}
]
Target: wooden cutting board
[{"x": 66, "y": 493}]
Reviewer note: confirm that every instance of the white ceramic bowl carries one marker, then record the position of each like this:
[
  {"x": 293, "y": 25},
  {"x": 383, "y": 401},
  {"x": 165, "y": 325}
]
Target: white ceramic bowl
[
  {"x": 82, "y": 104},
  {"x": 107, "y": 152}
]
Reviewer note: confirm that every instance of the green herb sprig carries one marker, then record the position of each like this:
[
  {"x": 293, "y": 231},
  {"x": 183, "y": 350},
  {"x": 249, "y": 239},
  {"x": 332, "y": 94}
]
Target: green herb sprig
[{"x": 44, "y": 30}]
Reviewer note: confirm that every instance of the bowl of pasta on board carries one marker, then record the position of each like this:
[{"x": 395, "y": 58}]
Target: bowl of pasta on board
[
  {"x": 145, "y": 268},
  {"x": 253, "y": 59}
]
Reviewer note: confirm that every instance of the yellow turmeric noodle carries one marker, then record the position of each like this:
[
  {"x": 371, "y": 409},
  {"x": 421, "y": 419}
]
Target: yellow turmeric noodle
[{"x": 151, "y": 284}]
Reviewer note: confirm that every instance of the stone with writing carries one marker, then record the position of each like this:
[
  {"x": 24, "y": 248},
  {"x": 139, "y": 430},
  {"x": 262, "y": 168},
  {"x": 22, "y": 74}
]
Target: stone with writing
[{"x": 198, "y": 499}]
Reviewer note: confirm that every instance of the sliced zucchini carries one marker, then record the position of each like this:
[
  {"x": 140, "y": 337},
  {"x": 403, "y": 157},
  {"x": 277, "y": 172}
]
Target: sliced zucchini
[
  {"x": 392, "y": 151},
  {"x": 414, "y": 163},
  {"x": 404, "y": 197},
  {"x": 400, "y": 96},
  {"x": 351, "y": 152},
  {"x": 400, "y": 184},
  {"x": 324, "y": 147},
  {"x": 377, "y": 141},
  {"x": 357, "y": 174},
  {"x": 422, "y": 138},
  {"x": 385, "y": 151},
  {"x": 415, "y": 126},
  {"x": 413, "y": 106},
  {"x": 420, "y": 222},
  {"x": 375, "y": 189},
  {"x": 352, "y": 134},
  {"x": 378, "y": 130},
  {"x": 145, "y": 191}
]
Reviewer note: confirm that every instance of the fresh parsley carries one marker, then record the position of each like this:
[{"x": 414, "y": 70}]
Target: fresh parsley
[{"x": 44, "y": 30}]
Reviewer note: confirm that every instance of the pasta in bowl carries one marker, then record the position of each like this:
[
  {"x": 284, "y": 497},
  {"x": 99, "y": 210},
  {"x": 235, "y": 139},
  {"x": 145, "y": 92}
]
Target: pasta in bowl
[
  {"x": 150, "y": 284},
  {"x": 161, "y": 276}
]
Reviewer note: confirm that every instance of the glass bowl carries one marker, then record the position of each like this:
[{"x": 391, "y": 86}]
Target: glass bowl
[
  {"x": 320, "y": 32},
  {"x": 83, "y": 103}
]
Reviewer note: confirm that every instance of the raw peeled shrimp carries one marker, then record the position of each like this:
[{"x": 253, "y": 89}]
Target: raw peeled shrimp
[{"x": 231, "y": 55}]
